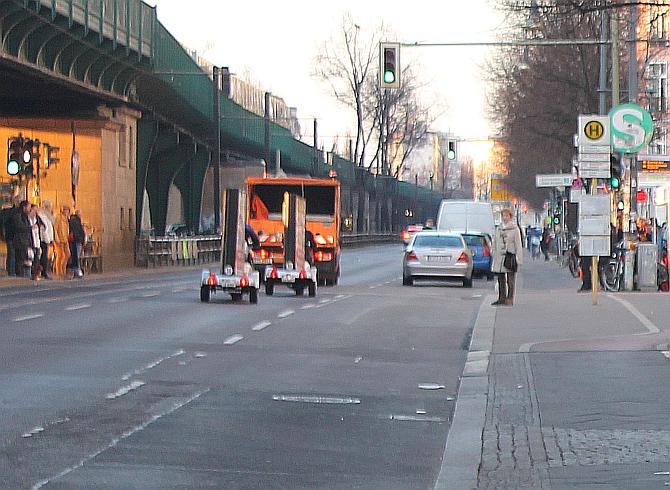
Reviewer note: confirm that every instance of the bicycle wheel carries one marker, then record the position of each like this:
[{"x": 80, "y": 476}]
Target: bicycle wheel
[
  {"x": 573, "y": 265},
  {"x": 609, "y": 276}
]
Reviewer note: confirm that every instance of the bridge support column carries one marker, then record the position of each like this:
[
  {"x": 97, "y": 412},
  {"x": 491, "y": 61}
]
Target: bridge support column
[{"x": 190, "y": 181}]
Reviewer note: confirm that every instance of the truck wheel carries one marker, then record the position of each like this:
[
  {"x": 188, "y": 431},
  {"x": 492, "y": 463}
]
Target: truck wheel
[
  {"x": 205, "y": 294},
  {"x": 236, "y": 296},
  {"x": 299, "y": 291},
  {"x": 311, "y": 289},
  {"x": 253, "y": 296},
  {"x": 269, "y": 288}
]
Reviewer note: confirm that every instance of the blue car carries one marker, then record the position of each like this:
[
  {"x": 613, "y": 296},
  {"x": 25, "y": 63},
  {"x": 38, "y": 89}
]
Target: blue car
[{"x": 480, "y": 244}]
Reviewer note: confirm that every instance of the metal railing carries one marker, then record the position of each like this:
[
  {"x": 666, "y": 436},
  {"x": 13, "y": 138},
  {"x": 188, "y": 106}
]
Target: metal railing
[{"x": 151, "y": 251}]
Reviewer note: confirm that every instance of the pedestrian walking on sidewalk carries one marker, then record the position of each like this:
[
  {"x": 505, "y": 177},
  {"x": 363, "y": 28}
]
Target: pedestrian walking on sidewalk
[
  {"x": 8, "y": 215},
  {"x": 61, "y": 241},
  {"x": 35, "y": 227},
  {"x": 507, "y": 257},
  {"x": 77, "y": 238},
  {"x": 47, "y": 236},
  {"x": 23, "y": 240}
]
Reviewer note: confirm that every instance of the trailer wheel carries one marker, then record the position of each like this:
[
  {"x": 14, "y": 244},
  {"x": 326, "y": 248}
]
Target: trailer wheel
[
  {"x": 205, "y": 294},
  {"x": 269, "y": 288},
  {"x": 311, "y": 289},
  {"x": 299, "y": 291},
  {"x": 253, "y": 296}
]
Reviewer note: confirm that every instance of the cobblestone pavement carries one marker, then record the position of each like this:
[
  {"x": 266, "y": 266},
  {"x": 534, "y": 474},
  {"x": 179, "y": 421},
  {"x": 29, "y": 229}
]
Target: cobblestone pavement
[{"x": 519, "y": 452}]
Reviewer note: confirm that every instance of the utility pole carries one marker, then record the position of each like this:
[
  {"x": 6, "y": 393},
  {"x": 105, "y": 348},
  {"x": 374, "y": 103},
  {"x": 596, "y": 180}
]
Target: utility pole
[
  {"x": 266, "y": 139},
  {"x": 632, "y": 98},
  {"x": 216, "y": 113}
]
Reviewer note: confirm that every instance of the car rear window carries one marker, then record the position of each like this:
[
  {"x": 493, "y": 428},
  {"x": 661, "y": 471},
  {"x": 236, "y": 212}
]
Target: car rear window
[
  {"x": 474, "y": 240},
  {"x": 447, "y": 241}
]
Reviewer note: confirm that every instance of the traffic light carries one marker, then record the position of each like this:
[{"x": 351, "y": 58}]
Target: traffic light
[
  {"x": 615, "y": 173},
  {"x": 27, "y": 157},
  {"x": 557, "y": 217},
  {"x": 14, "y": 157},
  {"x": 389, "y": 69},
  {"x": 451, "y": 150}
]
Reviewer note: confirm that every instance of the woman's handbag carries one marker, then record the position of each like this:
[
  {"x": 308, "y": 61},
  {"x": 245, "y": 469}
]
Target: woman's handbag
[{"x": 510, "y": 262}]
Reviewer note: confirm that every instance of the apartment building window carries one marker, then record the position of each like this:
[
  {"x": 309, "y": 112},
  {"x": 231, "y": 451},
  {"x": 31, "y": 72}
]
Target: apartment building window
[
  {"x": 131, "y": 147},
  {"x": 122, "y": 217},
  {"x": 657, "y": 87},
  {"x": 123, "y": 150},
  {"x": 657, "y": 23},
  {"x": 658, "y": 145},
  {"x": 131, "y": 221}
]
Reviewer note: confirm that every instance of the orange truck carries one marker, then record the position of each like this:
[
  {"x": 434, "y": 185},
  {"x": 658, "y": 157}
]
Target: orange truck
[{"x": 322, "y": 196}]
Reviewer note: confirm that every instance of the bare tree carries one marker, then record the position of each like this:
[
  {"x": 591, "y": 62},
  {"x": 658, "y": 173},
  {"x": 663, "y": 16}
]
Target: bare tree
[{"x": 346, "y": 61}]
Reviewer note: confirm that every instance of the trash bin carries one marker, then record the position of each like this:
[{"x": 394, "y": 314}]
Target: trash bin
[{"x": 647, "y": 265}]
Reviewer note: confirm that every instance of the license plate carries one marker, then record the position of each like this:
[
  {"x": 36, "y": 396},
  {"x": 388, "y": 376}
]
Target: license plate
[
  {"x": 438, "y": 258},
  {"x": 262, "y": 261},
  {"x": 229, "y": 284}
]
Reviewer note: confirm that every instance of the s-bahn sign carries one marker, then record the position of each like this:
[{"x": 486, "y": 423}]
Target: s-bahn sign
[{"x": 632, "y": 128}]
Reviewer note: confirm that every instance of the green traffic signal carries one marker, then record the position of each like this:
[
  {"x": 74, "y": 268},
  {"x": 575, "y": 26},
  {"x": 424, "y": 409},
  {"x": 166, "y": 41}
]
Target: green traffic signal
[
  {"x": 451, "y": 150},
  {"x": 389, "y": 76},
  {"x": 615, "y": 183},
  {"x": 13, "y": 167}
]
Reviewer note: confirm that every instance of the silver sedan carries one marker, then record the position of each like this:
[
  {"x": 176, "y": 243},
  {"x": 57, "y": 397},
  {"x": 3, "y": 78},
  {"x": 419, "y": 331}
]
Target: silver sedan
[{"x": 437, "y": 254}]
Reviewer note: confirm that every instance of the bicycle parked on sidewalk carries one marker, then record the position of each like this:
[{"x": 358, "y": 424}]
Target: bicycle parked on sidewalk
[
  {"x": 573, "y": 257},
  {"x": 611, "y": 270}
]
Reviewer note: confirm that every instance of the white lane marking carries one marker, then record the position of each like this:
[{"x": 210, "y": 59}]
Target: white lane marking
[
  {"x": 260, "y": 326},
  {"x": 151, "y": 365},
  {"x": 124, "y": 390},
  {"x": 150, "y": 294},
  {"x": 307, "y": 306},
  {"x": 646, "y": 322},
  {"x": 666, "y": 353},
  {"x": 233, "y": 339},
  {"x": 340, "y": 296},
  {"x": 357, "y": 360},
  {"x": 28, "y": 317},
  {"x": 285, "y": 313},
  {"x": 115, "y": 441},
  {"x": 78, "y": 307},
  {"x": 416, "y": 418},
  {"x": 373, "y": 287},
  {"x": 329, "y": 400},
  {"x": 324, "y": 301},
  {"x": 33, "y": 431},
  {"x": 120, "y": 299}
]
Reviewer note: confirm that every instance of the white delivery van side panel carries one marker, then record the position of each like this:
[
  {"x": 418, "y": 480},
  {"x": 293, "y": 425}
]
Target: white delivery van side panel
[{"x": 466, "y": 216}]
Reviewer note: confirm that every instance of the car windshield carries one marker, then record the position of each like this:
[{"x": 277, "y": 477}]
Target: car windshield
[
  {"x": 474, "y": 240},
  {"x": 438, "y": 241}
]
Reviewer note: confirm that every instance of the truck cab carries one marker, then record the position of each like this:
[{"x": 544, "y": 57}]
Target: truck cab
[{"x": 322, "y": 197}]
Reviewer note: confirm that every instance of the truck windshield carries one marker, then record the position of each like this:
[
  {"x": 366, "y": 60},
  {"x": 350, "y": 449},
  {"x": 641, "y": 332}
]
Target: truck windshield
[{"x": 320, "y": 199}]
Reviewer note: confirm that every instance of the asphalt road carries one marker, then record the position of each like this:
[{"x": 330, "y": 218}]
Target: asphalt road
[{"x": 127, "y": 383}]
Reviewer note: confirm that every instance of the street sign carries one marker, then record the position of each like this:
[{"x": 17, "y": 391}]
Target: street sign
[
  {"x": 553, "y": 180},
  {"x": 632, "y": 128},
  {"x": 595, "y": 149},
  {"x": 594, "y": 170},
  {"x": 594, "y": 225},
  {"x": 594, "y": 157},
  {"x": 593, "y": 129}
]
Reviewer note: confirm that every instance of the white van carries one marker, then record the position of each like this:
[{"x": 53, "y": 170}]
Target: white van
[{"x": 466, "y": 216}]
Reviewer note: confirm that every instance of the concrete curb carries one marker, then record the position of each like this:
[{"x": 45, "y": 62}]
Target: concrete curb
[{"x": 463, "y": 450}]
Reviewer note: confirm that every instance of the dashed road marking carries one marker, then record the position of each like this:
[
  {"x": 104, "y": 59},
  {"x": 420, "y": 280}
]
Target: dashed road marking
[
  {"x": 233, "y": 339},
  {"x": 28, "y": 317},
  {"x": 307, "y": 306},
  {"x": 324, "y": 301},
  {"x": 260, "y": 326},
  {"x": 285, "y": 313},
  {"x": 124, "y": 390},
  {"x": 117, "y": 300},
  {"x": 666, "y": 353},
  {"x": 150, "y": 294},
  {"x": 78, "y": 307}
]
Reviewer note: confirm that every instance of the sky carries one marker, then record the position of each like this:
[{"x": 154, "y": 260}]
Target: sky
[{"x": 276, "y": 43}]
